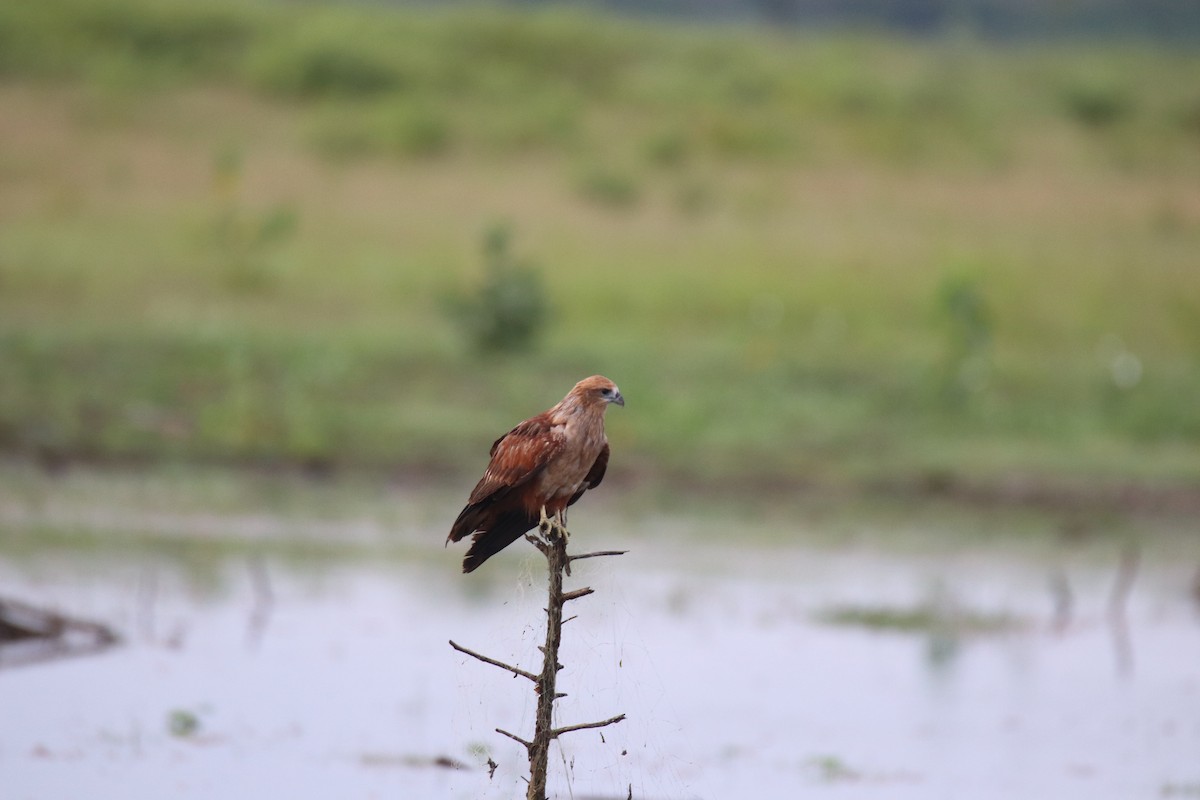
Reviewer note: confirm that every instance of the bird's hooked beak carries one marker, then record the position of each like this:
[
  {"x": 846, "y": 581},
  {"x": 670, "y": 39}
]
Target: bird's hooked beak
[{"x": 617, "y": 399}]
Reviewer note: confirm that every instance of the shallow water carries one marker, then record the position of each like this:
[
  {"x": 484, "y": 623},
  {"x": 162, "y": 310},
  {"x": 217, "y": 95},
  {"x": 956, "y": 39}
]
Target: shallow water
[{"x": 325, "y": 680}]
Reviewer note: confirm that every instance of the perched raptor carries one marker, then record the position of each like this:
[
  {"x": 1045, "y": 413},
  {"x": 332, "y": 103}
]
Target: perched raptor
[{"x": 539, "y": 467}]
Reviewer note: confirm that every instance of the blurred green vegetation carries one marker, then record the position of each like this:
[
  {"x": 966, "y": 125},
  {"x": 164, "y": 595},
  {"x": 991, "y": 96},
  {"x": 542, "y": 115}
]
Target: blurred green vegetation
[
  {"x": 508, "y": 310},
  {"x": 930, "y": 617},
  {"x": 228, "y": 230}
]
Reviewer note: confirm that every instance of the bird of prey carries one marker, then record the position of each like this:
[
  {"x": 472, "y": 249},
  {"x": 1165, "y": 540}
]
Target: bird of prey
[{"x": 538, "y": 469}]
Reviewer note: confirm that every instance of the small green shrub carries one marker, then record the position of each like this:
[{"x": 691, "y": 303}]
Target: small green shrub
[
  {"x": 509, "y": 310},
  {"x": 329, "y": 63},
  {"x": 567, "y": 48},
  {"x": 694, "y": 197},
  {"x": 730, "y": 134},
  {"x": 242, "y": 242},
  {"x": 1187, "y": 117},
  {"x": 609, "y": 187},
  {"x": 183, "y": 723},
  {"x": 416, "y": 130},
  {"x": 1096, "y": 104},
  {"x": 668, "y": 148},
  {"x": 191, "y": 36},
  {"x": 342, "y": 134},
  {"x": 967, "y": 324},
  {"x": 539, "y": 119}
]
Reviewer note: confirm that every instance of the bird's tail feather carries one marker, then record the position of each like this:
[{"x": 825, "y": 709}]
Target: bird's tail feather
[
  {"x": 470, "y": 519},
  {"x": 504, "y": 531}
]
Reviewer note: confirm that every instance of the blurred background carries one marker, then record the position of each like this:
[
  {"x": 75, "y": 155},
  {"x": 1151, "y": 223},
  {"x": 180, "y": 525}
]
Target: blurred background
[{"x": 904, "y": 298}]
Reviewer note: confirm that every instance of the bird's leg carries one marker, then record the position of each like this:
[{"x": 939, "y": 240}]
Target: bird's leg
[
  {"x": 554, "y": 532},
  {"x": 562, "y": 529},
  {"x": 541, "y": 538},
  {"x": 552, "y": 526}
]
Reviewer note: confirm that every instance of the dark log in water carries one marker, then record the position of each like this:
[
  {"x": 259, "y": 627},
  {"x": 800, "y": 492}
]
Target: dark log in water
[{"x": 29, "y": 635}]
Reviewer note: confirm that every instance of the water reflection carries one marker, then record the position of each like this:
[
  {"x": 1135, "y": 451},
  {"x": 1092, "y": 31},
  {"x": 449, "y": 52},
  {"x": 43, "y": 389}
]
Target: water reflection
[
  {"x": 340, "y": 678},
  {"x": 1118, "y": 601},
  {"x": 264, "y": 600}
]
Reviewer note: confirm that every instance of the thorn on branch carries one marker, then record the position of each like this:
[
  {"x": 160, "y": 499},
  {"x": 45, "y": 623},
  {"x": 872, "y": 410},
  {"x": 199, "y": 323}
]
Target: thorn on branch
[
  {"x": 578, "y": 593},
  {"x": 597, "y": 554},
  {"x": 494, "y": 662},
  {"x": 515, "y": 738},
  {"x": 554, "y": 734},
  {"x": 539, "y": 543}
]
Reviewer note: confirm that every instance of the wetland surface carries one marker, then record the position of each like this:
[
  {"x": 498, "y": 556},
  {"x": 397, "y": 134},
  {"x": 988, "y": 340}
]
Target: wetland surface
[{"x": 807, "y": 667}]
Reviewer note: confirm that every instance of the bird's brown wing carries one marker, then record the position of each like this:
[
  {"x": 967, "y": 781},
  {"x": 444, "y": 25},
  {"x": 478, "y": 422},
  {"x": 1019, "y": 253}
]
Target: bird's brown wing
[{"x": 517, "y": 458}]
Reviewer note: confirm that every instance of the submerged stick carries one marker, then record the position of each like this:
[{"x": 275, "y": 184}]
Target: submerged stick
[{"x": 1118, "y": 599}]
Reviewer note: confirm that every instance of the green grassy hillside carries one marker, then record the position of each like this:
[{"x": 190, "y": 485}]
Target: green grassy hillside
[{"x": 234, "y": 232}]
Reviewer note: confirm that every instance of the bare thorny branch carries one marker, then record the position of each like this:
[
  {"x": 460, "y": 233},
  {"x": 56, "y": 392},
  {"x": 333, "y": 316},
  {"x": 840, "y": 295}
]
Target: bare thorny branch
[
  {"x": 553, "y": 545},
  {"x": 494, "y": 662}
]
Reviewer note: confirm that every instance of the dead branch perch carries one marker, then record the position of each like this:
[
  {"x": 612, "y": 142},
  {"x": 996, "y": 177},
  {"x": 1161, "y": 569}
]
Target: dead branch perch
[{"x": 553, "y": 545}]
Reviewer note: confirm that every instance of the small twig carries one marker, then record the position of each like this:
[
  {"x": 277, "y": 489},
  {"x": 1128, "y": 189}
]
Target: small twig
[
  {"x": 537, "y": 542},
  {"x": 554, "y": 734},
  {"x": 494, "y": 662},
  {"x": 515, "y": 738},
  {"x": 597, "y": 554},
  {"x": 578, "y": 593}
]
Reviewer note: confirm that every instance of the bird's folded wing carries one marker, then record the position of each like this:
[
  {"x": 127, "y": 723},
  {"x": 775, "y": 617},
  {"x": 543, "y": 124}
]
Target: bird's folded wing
[
  {"x": 599, "y": 467},
  {"x": 518, "y": 456},
  {"x": 594, "y": 476}
]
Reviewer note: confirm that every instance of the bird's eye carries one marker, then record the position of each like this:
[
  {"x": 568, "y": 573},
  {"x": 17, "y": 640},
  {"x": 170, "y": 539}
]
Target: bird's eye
[{"x": 606, "y": 392}]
